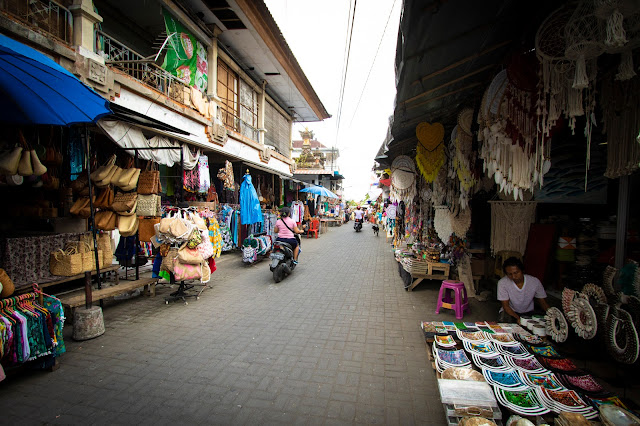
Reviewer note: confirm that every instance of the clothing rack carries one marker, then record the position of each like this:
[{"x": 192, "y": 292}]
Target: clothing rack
[{"x": 12, "y": 301}]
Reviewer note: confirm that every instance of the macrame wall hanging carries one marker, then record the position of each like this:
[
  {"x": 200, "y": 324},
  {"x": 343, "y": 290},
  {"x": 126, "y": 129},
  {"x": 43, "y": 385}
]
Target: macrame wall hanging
[
  {"x": 510, "y": 222},
  {"x": 622, "y": 33},
  {"x": 403, "y": 179},
  {"x": 442, "y": 223},
  {"x": 464, "y": 158},
  {"x": 430, "y": 154},
  {"x": 621, "y": 113}
]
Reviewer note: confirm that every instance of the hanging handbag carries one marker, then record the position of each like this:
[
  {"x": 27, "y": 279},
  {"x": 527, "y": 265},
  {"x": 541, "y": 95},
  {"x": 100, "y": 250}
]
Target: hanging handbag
[
  {"x": 80, "y": 182},
  {"x": 165, "y": 224},
  {"x": 186, "y": 271},
  {"x": 104, "y": 200},
  {"x": 180, "y": 228},
  {"x": 195, "y": 238},
  {"x": 106, "y": 220},
  {"x": 147, "y": 205},
  {"x": 24, "y": 167},
  {"x": 164, "y": 249},
  {"x": 107, "y": 180},
  {"x": 7, "y": 287},
  {"x": 103, "y": 171},
  {"x": 205, "y": 247},
  {"x": 148, "y": 181},
  {"x": 128, "y": 225},
  {"x": 206, "y": 274},
  {"x": 198, "y": 221},
  {"x": 133, "y": 182},
  {"x": 81, "y": 208},
  {"x": 124, "y": 201},
  {"x": 168, "y": 260},
  {"x": 38, "y": 168},
  {"x": 189, "y": 255},
  {"x": 146, "y": 228},
  {"x": 9, "y": 163},
  {"x": 124, "y": 178}
]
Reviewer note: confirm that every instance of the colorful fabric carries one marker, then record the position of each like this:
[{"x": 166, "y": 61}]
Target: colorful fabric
[{"x": 215, "y": 236}]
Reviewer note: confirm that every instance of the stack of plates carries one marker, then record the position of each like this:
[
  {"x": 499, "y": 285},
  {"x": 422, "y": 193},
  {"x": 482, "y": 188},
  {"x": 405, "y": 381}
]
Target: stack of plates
[
  {"x": 523, "y": 402},
  {"x": 516, "y": 351},
  {"x": 546, "y": 351},
  {"x": 546, "y": 380},
  {"x": 506, "y": 379},
  {"x": 565, "y": 400},
  {"x": 526, "y": 365},
  {"x": 483, "y": 349},
  {"x": 503, "y": 339},
  {"x": 445, "y": 341},
  {"x": 472, "y": 337},
  {"x": 495, "y": 363},
  {"x": 446, "y": 359}
]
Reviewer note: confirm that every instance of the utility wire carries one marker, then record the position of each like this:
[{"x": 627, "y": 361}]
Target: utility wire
[
  {"x": 373, "y": 63},
  {"x": 346, "y": 68}
]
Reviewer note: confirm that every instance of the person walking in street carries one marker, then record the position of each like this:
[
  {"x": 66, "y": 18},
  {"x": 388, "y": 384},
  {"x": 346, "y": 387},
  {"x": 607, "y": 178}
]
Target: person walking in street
[{"x": 287, "y": 231}]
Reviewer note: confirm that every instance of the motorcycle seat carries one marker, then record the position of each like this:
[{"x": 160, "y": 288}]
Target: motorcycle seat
[{"x": 283, "y": 244}]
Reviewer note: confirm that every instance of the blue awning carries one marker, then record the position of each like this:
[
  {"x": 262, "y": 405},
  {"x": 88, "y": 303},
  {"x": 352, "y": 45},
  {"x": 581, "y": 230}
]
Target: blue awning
[{"x": 36, "y": 90}]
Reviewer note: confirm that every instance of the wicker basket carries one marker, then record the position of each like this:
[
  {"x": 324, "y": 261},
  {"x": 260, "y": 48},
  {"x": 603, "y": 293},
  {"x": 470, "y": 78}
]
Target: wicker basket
[{"x": 65, "y": 263}]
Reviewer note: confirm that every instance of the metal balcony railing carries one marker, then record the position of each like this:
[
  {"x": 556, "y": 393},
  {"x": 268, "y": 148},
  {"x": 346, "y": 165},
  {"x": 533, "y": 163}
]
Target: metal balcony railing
[
  {"x": 143, "y": 69},
  {"x": 47, "y": 16}
]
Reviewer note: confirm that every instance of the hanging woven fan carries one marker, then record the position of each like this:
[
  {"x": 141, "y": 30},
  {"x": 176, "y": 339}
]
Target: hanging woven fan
[
  {"x": 493, "y": 96},
  {"x": 584, "y": 40},
  {"x": 464, "y": 120},
  {"x": 403, "y": 176},
  {"x": 430, "y": 154}
]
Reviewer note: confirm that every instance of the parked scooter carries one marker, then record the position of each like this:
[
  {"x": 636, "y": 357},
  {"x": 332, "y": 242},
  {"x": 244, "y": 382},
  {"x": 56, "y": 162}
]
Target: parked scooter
[
  {"x": 281, "y": 260},
  {"x": 358, "y": 225}
]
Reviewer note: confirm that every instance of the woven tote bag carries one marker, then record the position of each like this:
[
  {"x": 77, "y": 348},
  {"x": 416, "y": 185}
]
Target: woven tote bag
[{"x": 147, "y": 205}]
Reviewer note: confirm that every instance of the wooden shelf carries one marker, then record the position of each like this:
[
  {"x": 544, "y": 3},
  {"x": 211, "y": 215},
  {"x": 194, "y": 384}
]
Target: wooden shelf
[{"x": 73, "y": 300}]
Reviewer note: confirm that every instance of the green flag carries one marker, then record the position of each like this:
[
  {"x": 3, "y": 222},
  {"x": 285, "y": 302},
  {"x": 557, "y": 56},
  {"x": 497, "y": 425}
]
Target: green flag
[{"x": 186, "y": 57}]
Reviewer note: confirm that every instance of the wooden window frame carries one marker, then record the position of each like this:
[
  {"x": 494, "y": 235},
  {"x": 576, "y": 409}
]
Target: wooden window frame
[{"x": 228, "y": 92}]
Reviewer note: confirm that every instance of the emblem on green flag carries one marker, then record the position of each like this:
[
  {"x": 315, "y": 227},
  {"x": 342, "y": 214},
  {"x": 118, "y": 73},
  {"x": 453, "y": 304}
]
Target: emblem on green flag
[{"x": 186, "y": 57}]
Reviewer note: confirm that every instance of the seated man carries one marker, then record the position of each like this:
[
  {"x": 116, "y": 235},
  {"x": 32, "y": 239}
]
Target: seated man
[{"x": 517, "y": 292}]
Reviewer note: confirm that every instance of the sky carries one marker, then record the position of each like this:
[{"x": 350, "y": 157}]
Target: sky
[{"x": 317, "y": 33}]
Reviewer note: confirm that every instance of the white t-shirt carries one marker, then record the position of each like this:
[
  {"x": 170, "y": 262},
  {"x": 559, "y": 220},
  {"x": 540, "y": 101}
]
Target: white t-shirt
[
  {"x": 359, "y": 214},
  {"x": 521, "y": 299}
]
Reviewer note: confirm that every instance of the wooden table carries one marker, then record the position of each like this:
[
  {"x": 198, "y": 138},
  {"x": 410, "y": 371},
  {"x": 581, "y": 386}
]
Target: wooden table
[{"x": 435, "y": 271}]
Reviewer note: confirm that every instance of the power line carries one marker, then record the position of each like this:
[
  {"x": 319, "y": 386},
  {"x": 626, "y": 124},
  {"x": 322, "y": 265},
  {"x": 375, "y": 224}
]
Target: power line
[
  {"x": 346, "y": 68},
  {"x": 372, "y": 63}
]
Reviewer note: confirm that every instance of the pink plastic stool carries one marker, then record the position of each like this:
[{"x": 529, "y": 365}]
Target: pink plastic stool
[{"x": 460, "y": 304}]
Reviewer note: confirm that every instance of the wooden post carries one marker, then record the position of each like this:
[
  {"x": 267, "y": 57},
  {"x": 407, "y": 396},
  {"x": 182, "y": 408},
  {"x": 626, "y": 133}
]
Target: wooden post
[{"x": 88, "y": 298}]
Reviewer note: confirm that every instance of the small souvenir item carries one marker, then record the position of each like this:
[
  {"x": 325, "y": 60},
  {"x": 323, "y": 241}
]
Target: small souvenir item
[
  {"x": 614, "y": 415},
  {"x": 548, "y": 380},
  {"x": 474, "y": 337},
  {"x": 529, "y": 339},
  {"x": 565, "y": 400},
  {"x": 503, "y": 338}
]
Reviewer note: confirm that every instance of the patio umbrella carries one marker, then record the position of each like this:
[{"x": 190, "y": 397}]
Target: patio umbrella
[
  {"x": 319, "y": 190},
  {"x": 36, "y": 90}
]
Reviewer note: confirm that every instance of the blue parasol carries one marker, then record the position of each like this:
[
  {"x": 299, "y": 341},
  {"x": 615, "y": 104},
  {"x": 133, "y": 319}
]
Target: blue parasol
[
  {"x": 320, "y": 190},
  {"x": 36, "y": 90}
]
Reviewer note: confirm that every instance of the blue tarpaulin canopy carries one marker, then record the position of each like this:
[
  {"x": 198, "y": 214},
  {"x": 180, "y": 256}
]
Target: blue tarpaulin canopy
[
  {"x": 250, "y": 212},
  {"x": 36, "y": 90},
  {"x": 319, "y": 190}
]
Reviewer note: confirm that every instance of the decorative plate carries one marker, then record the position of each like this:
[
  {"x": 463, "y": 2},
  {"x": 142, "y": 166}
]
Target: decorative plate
[
  {"x": 504, "y": 379},
  {"x": 503, "y": 338},
  {"x": 485, "y": 348},
  {"x": 523, "y": 402},
  {"x": 585, "y": 383},
  {"x": 494, "y": 363},
  {"x": 546, "y": 351},
  {"x": 563, "y": 365},
  {"x": 529, "y": 365},
  {"x": 529, "y": 339},
  {"x": 517, "y": 351},
  {"x": 476, "y": 336},
  {"x": 549, "y": 380},
  {"x": 454, "y": 358},
  {"x": 567, "y": 398},
  {"x": 445, "y": 341}
]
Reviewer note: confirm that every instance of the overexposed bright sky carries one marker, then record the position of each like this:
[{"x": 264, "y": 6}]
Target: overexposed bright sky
[{"x": 316, "y": 31}]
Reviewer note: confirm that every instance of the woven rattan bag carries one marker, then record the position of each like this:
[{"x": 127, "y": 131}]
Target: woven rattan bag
[
  {"x": 106, "y": 220},
  {"x": 65, "y": 263},
  {"x": 124, "y": 201},
  {"x": 146, "y": 228},
  {"x": 147, "y": 205},
  {"x": 149, "y": 181},
  {"x": 167, "y": 261}
]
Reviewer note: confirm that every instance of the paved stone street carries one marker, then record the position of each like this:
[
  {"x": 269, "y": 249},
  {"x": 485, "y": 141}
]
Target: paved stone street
[{"x": 337, "y": 342}]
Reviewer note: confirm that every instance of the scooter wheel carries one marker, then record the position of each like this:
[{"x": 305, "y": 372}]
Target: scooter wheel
[{"x": 278, "y": 273}]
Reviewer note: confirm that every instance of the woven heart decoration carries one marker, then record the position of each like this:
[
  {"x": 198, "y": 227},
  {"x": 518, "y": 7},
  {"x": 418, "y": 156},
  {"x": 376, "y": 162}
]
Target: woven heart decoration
[{"x": 430, "y": 135}]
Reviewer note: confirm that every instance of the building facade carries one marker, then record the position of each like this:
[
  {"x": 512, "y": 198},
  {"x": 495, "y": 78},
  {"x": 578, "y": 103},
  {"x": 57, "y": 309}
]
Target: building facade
[{"x": 316, "y": 163}]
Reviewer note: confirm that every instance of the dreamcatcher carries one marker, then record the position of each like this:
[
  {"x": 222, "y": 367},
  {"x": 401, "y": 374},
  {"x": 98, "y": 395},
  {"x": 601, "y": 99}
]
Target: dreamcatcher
[
  {"x": 430, "y": 154},
  {"x": 403, "y": 178},
  {"x": 462, "y": 139},
  {"x": 442, "y": 222}
]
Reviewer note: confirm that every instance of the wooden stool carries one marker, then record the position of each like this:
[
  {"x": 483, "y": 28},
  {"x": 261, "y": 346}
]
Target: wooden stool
[{"x": 460, "y": 304}]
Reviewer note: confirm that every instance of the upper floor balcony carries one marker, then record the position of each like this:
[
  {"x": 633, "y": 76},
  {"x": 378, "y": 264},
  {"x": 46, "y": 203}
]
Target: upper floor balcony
[
  {"x": 144, "y": 69},
  {"x": 49, "y": 17}
]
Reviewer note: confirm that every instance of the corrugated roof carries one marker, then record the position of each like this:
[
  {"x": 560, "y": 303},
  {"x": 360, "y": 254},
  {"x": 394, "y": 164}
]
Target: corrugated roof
[{"x": 312, "y": 172}]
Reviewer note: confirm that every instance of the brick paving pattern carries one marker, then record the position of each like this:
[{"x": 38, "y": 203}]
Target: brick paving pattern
[{"x": 337, "y": 342}]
